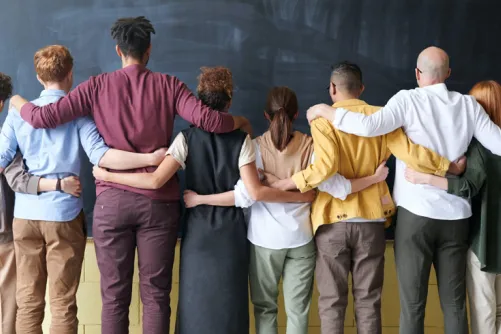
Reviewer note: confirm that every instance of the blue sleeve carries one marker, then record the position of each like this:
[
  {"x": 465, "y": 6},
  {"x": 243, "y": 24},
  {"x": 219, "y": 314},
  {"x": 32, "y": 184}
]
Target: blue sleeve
[
  {"x": 8, "y": 140},
  {"x": 92, "y": 142}
]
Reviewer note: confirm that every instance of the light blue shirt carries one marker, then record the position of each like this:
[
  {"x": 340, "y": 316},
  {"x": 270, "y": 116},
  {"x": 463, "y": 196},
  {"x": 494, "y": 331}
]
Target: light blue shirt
[{"x": 52, "y": 154}]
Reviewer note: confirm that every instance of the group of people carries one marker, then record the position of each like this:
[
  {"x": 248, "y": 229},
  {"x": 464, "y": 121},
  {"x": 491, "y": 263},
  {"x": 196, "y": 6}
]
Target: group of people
[{"x": 448, "y": 214}]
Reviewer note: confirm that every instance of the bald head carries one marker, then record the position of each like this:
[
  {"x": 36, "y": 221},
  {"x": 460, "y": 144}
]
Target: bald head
[{"x": 433, "y": 64}]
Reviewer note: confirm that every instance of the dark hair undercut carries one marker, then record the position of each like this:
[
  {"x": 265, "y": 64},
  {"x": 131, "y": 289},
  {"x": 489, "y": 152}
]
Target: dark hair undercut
[
  {"x": 5, "y": 87},
  {"x": 347, "y": 76},
  {"x": 133, "y": 35}
]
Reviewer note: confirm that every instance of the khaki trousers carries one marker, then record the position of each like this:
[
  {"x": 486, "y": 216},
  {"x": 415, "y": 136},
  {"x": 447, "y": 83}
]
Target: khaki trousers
[
  {"x": 52, "y": 250},
  {"x": 7, "y": 289},
  {"x": 357, "y": 248},
  {"x": 484, "y": 295}
]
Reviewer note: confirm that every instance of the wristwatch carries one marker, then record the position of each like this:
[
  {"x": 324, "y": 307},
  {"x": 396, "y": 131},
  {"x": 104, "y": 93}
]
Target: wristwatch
[{"x": 58, "y": 185}]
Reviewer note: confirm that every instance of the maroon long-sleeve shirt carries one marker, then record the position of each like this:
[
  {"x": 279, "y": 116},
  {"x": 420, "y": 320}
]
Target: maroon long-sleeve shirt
[{"x": 134, "y": 110}]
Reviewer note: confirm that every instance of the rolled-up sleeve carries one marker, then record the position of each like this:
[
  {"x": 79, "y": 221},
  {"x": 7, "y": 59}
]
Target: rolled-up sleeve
[
  {"x": 471, "y": 182},
  {"x": 337, "y": 186},
  {"x": 179, "y": 150},
  {"x": 242, "y": 197}
]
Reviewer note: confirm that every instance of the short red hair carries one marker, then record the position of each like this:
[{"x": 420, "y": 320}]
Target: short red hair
[{"x": 53, "y": 63}]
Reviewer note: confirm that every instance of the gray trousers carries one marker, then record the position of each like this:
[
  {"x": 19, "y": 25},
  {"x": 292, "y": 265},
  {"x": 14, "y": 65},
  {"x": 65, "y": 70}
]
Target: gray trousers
[
  {"x": 419, "y": 243},
  {"x": 296, "y": 267}
]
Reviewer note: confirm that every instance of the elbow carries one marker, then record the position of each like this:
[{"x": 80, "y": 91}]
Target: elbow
[
  {"x": 152, "y": 182},
  {"x": 155, "y": 183},
  {"x": 256, "y": 194}
]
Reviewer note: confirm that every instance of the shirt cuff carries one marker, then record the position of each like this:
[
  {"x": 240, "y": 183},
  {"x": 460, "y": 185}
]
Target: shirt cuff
[
  {"x": 452, "y": 186},
  {"x": 33, "y": 185},
  {"x": 443, "y": 167},
  {"x": 300, "y": 182},
  {"x": 337, "y": 186},
  {"x": 242, "y": 198},
  {"x": 338, "y": 117},
  {"x": 98, "y": 154}
]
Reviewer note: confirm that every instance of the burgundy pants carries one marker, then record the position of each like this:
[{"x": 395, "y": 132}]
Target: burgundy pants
[{"x": 123, "y": 221}]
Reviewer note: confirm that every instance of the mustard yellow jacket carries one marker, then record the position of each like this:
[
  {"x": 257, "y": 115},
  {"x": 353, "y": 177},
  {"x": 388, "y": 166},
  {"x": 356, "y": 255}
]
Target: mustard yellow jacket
[{"x": 356, "y": 157}]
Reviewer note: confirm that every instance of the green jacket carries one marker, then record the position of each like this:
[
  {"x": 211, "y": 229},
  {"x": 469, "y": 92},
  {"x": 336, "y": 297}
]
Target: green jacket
[{"x": 481, "y": 182}]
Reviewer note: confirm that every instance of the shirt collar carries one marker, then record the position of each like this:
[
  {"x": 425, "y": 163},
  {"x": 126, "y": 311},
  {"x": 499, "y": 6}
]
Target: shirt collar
[
  {"x": 436, "y": 87},
  {"x": 53, "y": 92},
  {"x": 349, "y": 103}
]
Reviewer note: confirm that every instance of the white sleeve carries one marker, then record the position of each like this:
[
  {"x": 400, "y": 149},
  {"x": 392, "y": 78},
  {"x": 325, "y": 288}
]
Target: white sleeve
[
  {"x": 247, "y": 153},
  {"x": 337, "y": 185},
  {"x": 386, "y": 120},
  {"x": 179, "y": 150},
  {"x": 242, "y": 197},
  {"x": 486, "y": 131}
]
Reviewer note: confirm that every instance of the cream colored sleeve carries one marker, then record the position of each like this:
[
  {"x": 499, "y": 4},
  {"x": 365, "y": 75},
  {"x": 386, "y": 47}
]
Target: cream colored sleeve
[
  {"x": 179, "y": 150},
  {"x": 247, "y": 153}
]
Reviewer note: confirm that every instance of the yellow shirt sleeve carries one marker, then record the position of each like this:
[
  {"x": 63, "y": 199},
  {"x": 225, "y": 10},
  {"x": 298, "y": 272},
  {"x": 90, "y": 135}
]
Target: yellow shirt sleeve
[
  {"x": 416, "y": 156},
  {"x": 326, "y": 157}
]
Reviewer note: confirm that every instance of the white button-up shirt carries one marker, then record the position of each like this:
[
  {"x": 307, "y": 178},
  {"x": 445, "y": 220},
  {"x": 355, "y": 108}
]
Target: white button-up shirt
[{"x": 438, "y": 119}]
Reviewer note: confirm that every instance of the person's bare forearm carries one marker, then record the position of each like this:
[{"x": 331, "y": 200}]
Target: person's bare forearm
[
  {"x": 439, "y": 182},
  {"x": 362, "y": 183},
  {"x": 285, "y": 185},
  {"x": 136, "y": 180},
  {"x": 123, "y": 160},
  {"x": 222, "y": 199},
  {"x": 47, "y": 185},
  {"x": 267, "y": 194}
]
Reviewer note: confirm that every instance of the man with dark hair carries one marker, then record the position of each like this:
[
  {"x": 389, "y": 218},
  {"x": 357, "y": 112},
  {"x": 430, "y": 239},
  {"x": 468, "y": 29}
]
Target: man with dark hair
[
  {"x": 350, "y": 233},
  {"x": 134, "y": 110}
]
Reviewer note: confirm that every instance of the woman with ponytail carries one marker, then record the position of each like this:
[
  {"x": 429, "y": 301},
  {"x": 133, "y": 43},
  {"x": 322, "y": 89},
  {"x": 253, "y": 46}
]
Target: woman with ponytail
[{"x": 281, "y": 234}]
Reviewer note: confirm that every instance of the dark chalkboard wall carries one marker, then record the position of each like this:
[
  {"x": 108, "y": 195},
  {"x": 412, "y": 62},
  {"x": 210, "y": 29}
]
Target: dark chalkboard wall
[{"x": 265, "y": 43}]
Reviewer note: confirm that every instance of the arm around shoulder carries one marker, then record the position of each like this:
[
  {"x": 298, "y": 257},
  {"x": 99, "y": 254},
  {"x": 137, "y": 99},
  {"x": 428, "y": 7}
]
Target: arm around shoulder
[{"x": 77, "y": 103}]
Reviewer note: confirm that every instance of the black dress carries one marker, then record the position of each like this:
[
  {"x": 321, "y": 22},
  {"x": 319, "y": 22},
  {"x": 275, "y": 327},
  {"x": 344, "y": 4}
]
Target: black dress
[{"x": 213, "y": 283}]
